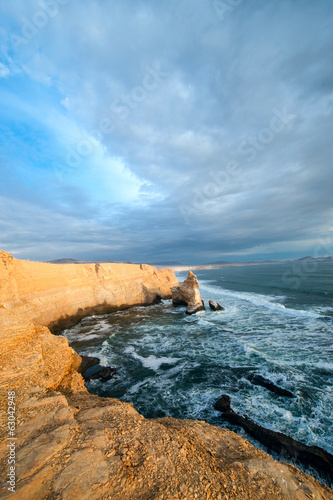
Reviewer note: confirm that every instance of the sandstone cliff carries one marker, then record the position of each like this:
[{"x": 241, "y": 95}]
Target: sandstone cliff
[
  {"x": 71, "y": 444},
  {"x": 57, "y": 295}
]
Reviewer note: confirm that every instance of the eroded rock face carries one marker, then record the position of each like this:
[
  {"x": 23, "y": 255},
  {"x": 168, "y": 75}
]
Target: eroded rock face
[
  {"x": 59, "y": 295},
  {"x": 310, "y": 456},
  {"x": 187, "y": 293},
  {"x": 71, "y": 444}
]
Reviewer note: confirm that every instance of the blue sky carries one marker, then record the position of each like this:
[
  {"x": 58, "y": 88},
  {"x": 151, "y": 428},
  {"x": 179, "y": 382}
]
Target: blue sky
[{"x": 190, "y": 131}]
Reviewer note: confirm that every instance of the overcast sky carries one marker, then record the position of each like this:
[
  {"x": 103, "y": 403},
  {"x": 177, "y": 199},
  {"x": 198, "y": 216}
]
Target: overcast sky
[{"x": 144, "y": 130}]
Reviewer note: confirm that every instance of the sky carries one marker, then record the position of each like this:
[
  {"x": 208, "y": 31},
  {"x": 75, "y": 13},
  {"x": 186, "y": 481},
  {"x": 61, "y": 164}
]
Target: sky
[{"x": 190, "y": 130}]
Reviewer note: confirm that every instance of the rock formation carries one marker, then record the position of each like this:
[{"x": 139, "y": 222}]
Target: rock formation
[
  {"x": 58, "y": 295},
  {"x": 264, "y": 382},
  {"x": 71, "y": 444},
  {"x": 187, "y": 294},
  {"x": 91, "y": 369},
  {"x": 310, "y": 456},
  {"x": 215, "y": 306}
]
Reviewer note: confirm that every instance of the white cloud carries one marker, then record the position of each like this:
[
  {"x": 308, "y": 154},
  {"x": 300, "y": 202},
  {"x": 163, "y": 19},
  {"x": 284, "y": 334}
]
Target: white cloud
[
  {"x": 223, "y": 81},
  {"x": 4, "y": 71}
]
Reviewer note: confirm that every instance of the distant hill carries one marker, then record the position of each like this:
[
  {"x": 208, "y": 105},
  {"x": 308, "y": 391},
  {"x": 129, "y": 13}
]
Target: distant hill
[
  {"x": 176, "y": 264},
  {"x": 167, "y": 263},
  {"x": 307, "y": 258},
  {"x": 217, "y": 263},
  {"x": 313, "y": 259},
  {"x": 63, "y": 261}
]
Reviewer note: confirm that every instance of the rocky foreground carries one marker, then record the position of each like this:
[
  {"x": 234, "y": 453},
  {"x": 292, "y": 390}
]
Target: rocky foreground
[{"x": 70, "y": 444}]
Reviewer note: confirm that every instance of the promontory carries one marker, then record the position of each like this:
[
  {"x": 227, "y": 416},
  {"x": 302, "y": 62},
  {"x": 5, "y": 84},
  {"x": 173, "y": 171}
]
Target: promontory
[{"x": 67, "y": 444}]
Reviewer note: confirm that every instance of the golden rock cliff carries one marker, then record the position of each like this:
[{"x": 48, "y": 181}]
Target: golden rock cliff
[
  {"x": 57, "y": 295},
  {"x": 71, "y": 444}
]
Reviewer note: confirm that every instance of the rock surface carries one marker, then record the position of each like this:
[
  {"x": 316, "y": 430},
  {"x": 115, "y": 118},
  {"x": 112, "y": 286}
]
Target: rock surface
[
  {"x": 310, "y": 456},
  {"x": 215, "y": 306},
  {"x": 264, "y": 382},
  {"x": 71, "y": 444},
  {"x": 187, "y": 294},
  {"x": 100, "y": 372},
  {"x": 87, "y": 362},
  {"x": 59, "y": 295}
]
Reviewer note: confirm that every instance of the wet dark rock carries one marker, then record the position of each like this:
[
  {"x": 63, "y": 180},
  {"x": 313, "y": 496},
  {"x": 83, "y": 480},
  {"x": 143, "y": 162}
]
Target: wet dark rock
[
  {"x": 177, "y": 303},
  {"x": 87, "y": 362},
  {"x": 310, "y": 456},
  {"x": 223, "y": 404},
  {"x": 97, "y": 371},
  {"x": 215, "y": 306},
  {"x": 157, "y": 299},
  {"x": 264, "y": 382}
]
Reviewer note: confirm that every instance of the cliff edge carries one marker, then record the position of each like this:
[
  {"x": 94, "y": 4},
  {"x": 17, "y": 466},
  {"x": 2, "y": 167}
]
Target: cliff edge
[
  {"x": 67, "y": 444},
  {"x": 58, "y": 295}
]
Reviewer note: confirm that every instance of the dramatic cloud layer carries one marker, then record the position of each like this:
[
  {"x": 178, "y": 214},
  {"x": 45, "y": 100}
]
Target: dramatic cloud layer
[{"x": 192, "y": 130}]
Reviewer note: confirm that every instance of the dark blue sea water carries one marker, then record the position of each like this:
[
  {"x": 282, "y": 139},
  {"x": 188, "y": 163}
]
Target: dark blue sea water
[{"x": 278, "y": 322}]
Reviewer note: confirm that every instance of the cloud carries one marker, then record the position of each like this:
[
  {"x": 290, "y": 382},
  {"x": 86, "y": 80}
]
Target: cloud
[
  {"x": 161, "y": 121},
  {"x": 4, "y": 71}
]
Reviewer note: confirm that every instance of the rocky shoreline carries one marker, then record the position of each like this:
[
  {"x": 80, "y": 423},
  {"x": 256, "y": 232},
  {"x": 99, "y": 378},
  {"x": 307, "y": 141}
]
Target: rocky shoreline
[
  {"x": 71, "y": 444},
  {"x": 314, "y": 457}
]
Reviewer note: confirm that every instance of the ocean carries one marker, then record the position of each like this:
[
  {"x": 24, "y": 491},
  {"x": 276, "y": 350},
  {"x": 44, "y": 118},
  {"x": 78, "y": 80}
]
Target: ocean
[{"x": 277, "y": 323}]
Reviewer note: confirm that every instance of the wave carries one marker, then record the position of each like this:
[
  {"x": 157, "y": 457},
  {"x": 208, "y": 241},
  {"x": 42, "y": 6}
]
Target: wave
[
  {"x": 151, "y": 362},
  {"x": 256, "y": 299}
]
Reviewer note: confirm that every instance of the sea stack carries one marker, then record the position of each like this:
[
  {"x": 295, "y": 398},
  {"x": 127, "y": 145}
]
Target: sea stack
[
  {"x": 71, "y": 444},
  {"x": 215, "y": 306},
  {"x": 187, "y": 294}
]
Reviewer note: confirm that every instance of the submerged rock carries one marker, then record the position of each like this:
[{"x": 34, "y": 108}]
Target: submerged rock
[
  {"x": 264, "y": 382},
  {"x": 187, "y": 293},
  {"x": 310, "y": 456},
  {"x": 91, "y": 369},
  {"x": 72, "y": 444},
  {"x": 87, "y": 362},
  {"x": 223, "y": 404},
  {"x": 97, "y": 371},
  {"x": 215, "y": 306}
]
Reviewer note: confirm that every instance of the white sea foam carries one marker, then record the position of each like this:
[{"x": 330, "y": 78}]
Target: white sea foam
[
  {"x": 256, "y": 333},
  {"x": 266, "y": 301},
  {"x": 134, "y": 388},
  {"x": 151, "y": 362},
  {"x": 81, "y": 337}
]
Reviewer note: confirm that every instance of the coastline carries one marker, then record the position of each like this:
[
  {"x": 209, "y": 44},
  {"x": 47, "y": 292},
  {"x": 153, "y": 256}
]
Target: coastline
[
  {"x": 300, "y": 262},
  {"x": 220, "y": 266},
  {"x": 63, "y": 431},
  {"x": 59, "y": 296}
]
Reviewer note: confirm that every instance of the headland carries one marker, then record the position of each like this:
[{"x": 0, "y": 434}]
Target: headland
[{"x": 65, "y": 443}]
